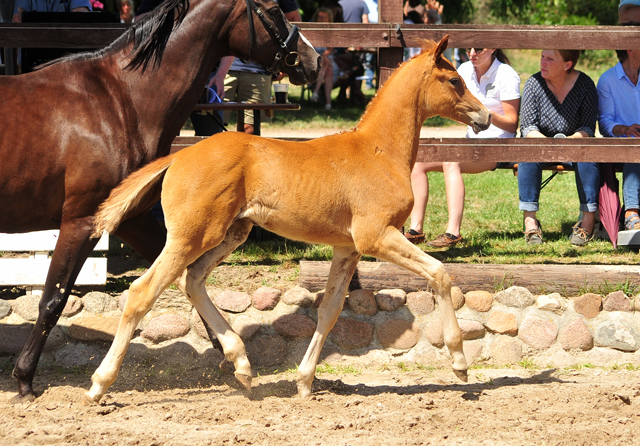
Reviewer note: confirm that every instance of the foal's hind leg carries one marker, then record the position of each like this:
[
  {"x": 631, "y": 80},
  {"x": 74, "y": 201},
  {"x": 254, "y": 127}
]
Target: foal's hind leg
[
  {"x": 142, "y": 294},
  {"x": 343, "y": 265},
  {"x": 72, "y": 249},
  {"x": 394, "y": 247},
  {"x": 192, "y": 285}
]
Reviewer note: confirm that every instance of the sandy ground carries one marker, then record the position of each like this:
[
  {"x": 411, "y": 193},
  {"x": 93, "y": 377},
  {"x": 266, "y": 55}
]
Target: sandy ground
[{"x": 192, "y": 404}]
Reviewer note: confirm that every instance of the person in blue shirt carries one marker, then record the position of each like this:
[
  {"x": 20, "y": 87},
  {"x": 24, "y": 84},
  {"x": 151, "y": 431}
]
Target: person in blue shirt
[
  {"x": 619, "y": 104},
  {"x": 49, "y": 6}
]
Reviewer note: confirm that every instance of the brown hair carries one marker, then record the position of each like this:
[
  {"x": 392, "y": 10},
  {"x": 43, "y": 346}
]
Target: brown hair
[
  {"x": 570, "y": 56},
  {"x": 499, "y": 54}
]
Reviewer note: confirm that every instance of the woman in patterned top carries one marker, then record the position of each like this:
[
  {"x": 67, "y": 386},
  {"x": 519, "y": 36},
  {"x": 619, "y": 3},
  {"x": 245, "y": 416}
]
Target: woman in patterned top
[{"x": 559, "y": 101}]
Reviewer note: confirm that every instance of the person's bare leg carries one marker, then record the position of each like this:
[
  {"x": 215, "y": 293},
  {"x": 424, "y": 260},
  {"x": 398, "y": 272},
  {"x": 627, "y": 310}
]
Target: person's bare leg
[
  {"x": 420, "y": 187},
  {"x": 588, "y": 221},
  {"x": 530, "y": 221}
]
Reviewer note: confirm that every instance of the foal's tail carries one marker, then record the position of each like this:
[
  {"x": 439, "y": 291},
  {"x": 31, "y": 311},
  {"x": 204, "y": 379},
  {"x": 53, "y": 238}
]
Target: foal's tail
[{"x": 134, "y": 195}]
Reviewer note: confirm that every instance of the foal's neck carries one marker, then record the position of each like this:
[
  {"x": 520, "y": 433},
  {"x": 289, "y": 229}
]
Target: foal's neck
[{"x": 395, "y": 116}]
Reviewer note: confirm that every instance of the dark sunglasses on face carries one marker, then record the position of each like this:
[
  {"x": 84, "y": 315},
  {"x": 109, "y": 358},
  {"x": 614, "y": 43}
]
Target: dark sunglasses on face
[{"x": 477, "y": 50}]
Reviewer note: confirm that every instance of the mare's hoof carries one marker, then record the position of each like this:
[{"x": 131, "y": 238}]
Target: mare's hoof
[
  {"x": 245, "y": 381},
  {"x": 19, "y": 399},
  {"x": 462, "y": 375}
]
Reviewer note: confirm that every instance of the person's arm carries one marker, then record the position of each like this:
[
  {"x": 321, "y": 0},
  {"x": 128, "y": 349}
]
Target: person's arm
[
  {"x": 19, "y": 7},
  {"x": 508, "y": 121},
  {"x": 293, "y": 16},
  {"x": 218, "y": 78},
  {"x": 529, "y": 118},
  {"x": 588, "y": 112}
]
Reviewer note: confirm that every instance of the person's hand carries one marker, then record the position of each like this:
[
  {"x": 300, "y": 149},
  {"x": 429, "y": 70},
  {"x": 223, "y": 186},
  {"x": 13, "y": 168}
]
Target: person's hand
[
  {"x": 435, "y": 5},
  {"x": 631, "y": 131},
  {"x": 217, "y": 83},
  {"x": 17, "y": 18},
  {"x": 279, "y": 76}
]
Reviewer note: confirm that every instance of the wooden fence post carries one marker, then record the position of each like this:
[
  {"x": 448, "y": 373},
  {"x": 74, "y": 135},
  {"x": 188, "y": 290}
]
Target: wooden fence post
[{"x": 390, "y": 11}]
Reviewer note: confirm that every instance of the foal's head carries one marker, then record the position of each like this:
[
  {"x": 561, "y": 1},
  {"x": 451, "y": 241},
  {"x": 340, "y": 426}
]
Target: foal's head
[
  {"x": 446, "y": 94},
  {"x": 264, "y": 35}
]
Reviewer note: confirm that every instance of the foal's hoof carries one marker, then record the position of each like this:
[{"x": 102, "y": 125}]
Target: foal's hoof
[
  {"x": 19, "y": 399},
  {"x": 245, "y": 381},
  {"x": 87, "y": 400},
  {"x": 462, "y": 375}
]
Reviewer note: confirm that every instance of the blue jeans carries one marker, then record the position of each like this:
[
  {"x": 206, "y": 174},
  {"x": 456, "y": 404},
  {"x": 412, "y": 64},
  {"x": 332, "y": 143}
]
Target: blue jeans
[
  {"x": 631, "y": 185},
  {"x": 530, "y": 179}
]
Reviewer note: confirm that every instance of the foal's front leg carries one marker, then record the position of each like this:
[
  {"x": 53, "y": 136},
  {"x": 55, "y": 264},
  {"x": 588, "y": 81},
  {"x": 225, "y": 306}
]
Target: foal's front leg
[
  {"x": 343, "y": 266},
  {"x": 394, "y": 247}
]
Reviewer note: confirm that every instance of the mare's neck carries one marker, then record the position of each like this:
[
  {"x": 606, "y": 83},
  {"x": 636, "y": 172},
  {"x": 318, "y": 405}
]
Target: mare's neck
[
  {"x": 395, "y": 116},
  {"x": 164, "y": 96}
]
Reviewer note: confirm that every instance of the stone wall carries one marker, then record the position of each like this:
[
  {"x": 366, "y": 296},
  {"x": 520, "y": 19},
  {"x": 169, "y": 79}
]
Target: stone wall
[{"x": 374, "y": 328}]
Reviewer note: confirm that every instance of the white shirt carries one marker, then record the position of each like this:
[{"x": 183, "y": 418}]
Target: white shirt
[{"x": 499, "y": 83}]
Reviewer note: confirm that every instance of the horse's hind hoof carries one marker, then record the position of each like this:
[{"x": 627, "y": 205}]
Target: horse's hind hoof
[
  {"x": 86, "y": 400},
  {"x": 245, "y": 382},
  {"x": 462, "y": 375},
  {"x": 19, "y": 399}
]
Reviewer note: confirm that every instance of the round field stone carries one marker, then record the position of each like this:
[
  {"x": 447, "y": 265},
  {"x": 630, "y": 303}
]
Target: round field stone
[
  {"x": 619, "y": 335},
  {"x": 502, "y": 323},
  {"x": 27, "y": 307},
  {"x": 93, "y": 328},
  {"x": 97, "y": 302},
  {"x": 537, "y": 332},
  {"x": 421, "y": 303},
  {"x": 266, "y": 350},
  {"x": 165, "y": 327},
  {"x": 617, "y": 301},
  {"x": 5, "y": 308},
  {"x": 434, "y": 333},
  {"x": 588, "y": 305},
  {"x": 350, "y": 334},
  {"x": 266, "y": 298},
  {"x": 73, "y": 306},
  {"x": 479, "y": 300},
  {"x": 233, "y": 301},
  {"x": 552, "y": 302},
  {"x": 471, "y": 329},
  {"x": 362, "y": 302},
  {"x": 391, "y": 300},
  {"x": 516, "y": 297},
  {"x": 506, "y": 350},
  {"x": 398, "y": 333},
  {"x": 457, "y": 297},
  {"x": 245, "y": 326},
  {"x": 298, "y": 296},
  {"x": 294, "y": 325},
  {"x": 576, "y": 335}
]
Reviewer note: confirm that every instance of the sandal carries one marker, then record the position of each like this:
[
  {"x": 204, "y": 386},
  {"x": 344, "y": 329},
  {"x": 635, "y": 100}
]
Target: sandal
[
  {"x": 534, "y": 236},
  {"x": 632, "y": 222},
  {"x": 414, "y": 236}
]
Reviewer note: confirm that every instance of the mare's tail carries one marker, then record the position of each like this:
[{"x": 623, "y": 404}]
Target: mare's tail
[{"x": 135, "y": 194}]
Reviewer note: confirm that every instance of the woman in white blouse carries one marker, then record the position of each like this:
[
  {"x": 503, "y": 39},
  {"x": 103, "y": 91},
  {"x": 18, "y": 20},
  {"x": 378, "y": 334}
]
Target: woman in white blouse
[{"x": 490, "y": 77}]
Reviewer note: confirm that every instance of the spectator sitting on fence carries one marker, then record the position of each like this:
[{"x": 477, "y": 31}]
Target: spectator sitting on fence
[
  {"x": 618, "y": 102},
  {"x": 49, "y": 6},
  {"x": 329, "y": 71},
  {"x": 559, "y": 101},
  {"x": 489, "y": 76}
]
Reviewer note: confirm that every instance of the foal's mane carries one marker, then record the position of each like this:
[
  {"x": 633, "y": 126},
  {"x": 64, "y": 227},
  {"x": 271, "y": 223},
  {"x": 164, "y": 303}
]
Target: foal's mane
[{"x": 150, "y": 36}]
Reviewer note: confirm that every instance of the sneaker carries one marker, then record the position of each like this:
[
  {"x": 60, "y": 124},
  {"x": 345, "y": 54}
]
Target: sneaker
[
  {"x": 314, "y": 97},
  {"x": 534, "y": 236},
  {"x": 579, "y": 236},
  {"x": 445, "y": 240},
  {"x": 414, "y": 236},
  {"x": 327, "y": 107}
]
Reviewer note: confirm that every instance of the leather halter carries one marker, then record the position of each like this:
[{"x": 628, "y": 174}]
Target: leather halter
[{"x": 291, "y": 58}]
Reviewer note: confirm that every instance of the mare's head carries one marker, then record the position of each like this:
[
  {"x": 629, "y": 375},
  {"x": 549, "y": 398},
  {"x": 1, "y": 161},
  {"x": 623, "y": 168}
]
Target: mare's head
[
  {"x": 446, "y": 93},
  {"x": 263, "y": 34}
]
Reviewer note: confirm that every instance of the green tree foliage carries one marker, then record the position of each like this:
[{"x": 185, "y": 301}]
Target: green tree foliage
[{"x": 556, "y": 12}]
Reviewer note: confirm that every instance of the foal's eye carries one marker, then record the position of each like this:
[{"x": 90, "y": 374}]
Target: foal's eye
[{"x": 454, "y": 81}]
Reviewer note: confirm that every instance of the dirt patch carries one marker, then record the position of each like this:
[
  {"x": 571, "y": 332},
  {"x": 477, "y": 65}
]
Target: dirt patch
[{"x": 195, "y": 405}]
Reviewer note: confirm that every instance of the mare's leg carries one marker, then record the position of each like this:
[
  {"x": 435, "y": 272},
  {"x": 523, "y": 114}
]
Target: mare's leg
[
  {"x": 192, "y": 284},
  {"x": 144, "y": 291},
  {"x": 343, "y": 266},
  {"x": 144, "y": 234},
  {"x": 392, "y": 246},
  {"x": 72, "y": 249}
]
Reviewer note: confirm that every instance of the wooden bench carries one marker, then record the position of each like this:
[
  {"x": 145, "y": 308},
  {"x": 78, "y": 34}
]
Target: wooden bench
[{"x": 32, "y": 271}]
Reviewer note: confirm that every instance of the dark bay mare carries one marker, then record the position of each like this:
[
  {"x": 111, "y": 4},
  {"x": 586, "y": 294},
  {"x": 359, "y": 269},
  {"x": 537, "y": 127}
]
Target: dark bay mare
[{"x": 74, "y": 129}]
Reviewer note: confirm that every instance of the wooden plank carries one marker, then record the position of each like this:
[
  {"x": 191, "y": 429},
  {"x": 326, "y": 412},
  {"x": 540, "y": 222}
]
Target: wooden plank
[
  {"x": 380, "y": 35},
  {"x": 390, "y": 11},
  {"x": 600, "y": 150},
  {"x": 33, "y": 272},
  {"x": 38, "y": 35},
  {"x": 565, "y": 279},
  {"x": 40, "y": 241},
  {"x": 522, "y": 36}
]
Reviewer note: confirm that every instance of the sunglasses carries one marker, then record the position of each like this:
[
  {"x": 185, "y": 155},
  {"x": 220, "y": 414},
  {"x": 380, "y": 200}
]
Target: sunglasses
[{"x": 477, "y": 50}]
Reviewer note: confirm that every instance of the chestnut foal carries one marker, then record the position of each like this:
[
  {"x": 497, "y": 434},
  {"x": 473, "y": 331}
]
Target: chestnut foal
[{"x": 350, "y": 190}]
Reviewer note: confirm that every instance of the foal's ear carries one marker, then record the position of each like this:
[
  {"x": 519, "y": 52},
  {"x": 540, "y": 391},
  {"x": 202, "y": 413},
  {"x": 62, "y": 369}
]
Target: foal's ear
[{"x": 442, "y": 45}]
